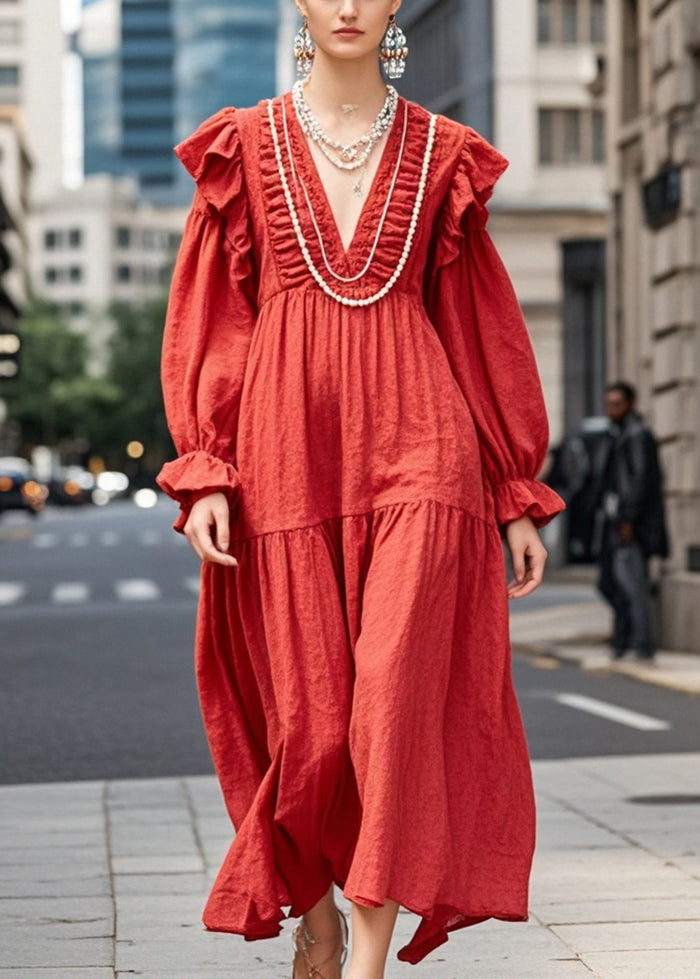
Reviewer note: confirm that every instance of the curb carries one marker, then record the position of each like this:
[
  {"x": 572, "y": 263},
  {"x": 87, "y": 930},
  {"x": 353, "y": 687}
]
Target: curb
[{"x": 589, "y": 654}]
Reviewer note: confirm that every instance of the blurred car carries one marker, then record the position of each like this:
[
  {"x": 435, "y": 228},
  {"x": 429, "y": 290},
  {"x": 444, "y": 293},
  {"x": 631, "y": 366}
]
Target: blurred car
[
  {"x": 21, "y": 492},
  {"x": 71, "y": 486},
  {"x": 575, "y": 474}
]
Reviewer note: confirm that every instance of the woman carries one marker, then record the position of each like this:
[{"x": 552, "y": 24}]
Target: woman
[{"x": 353, "y": 395}]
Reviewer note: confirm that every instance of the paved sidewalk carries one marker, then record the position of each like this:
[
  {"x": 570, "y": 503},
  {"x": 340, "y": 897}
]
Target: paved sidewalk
[
  {"x": 577, "y": 632},
  {"x": 105, "y": 879}
]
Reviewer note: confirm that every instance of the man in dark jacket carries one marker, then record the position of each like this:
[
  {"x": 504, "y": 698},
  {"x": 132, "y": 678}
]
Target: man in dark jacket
[{"x": 633, "y": 521}]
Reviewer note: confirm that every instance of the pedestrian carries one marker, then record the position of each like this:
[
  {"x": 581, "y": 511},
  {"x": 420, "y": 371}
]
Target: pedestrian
[
  {"x": 632, "y": 521},
  {"x": 353, "y": 395}
]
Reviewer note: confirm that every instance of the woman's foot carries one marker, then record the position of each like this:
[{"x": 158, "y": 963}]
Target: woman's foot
[{"x": 320, "y": 955}]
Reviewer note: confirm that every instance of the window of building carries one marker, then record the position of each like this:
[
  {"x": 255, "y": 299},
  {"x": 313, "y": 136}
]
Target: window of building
[
  {"x": 9, "y": 75},
  {"x": 75, "y": 238},
  {"x": 123, "y": 237},
  {"x": 76, "y": 309},
  {"x": 52, "y": 239},
  {"x": 10, "y": 32},
  {"x": 75, "y": 273},
  {"x": 631, "y": 43},
  {"x": 570, "y": 21},
  {"x": 571, "y": 137},
  {"x": 50, "y": 274},
  {"x": 123, "y": 273}
]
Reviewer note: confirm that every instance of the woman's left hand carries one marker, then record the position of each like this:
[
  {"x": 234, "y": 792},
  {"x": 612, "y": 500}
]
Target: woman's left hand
[{"x": 528, "y": 555}]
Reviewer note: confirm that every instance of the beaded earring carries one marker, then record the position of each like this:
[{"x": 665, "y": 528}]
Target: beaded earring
[
  {"x": 304, "y": 50},
  {"x": 393, "y": 50}
]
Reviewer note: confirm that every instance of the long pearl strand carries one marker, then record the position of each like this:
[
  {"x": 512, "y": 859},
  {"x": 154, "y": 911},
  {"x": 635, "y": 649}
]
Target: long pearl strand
[
  {"x": 318, "y": 278},
  {"x": 297, "y": 179}
]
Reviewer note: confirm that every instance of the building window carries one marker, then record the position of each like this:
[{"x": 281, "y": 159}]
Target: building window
[
  {"x": 631, "y": 43},
  {"x": 75, "y": 238},
  {"x": 570, "y": 21},
  {"x": 571, "y": 137},
  {"x": 9, "y": 75},
  {"x": 123, "y": 237},
  {"x": 50, "y": 275},
  {"x": 75, "y": 273},
  {"x": 10, "y": 32},
  {"x": 123, "y": 273},
  {"x": 52, "y": 240}
]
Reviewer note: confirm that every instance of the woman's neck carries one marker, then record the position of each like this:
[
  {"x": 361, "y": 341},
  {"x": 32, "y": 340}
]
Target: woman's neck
[{"x": 335, "y": 85}]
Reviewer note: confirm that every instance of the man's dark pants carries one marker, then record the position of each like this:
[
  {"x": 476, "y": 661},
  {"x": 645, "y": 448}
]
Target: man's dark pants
[{"x": 624, "y": 583}]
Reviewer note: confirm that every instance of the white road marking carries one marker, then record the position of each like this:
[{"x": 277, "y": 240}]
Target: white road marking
[
  {"x": 78, "y": 540},
  {"x": 108, "y": 538},
  {"x": 11, "y": 592},
  {"x": 642, "y": 722},
  {"x": 192, "y": 584},
  {"x": 150, "y": 537},
  {"x": 44, "y": 540},
  {"x": 137, "y": 590},
  {"x": 70, "y": 593}
]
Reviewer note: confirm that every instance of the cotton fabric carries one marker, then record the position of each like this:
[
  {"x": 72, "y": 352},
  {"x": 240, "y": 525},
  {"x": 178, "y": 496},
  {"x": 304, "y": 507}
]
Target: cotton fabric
[{"x": 354, "y": 669}]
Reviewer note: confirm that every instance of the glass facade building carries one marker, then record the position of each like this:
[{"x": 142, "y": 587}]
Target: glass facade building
[{"x": 155, "y": 69}]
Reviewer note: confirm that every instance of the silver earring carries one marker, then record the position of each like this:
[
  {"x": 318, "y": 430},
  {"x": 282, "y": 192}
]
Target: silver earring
[
  {"x": 304, "y": 50},
  {"x": 393, "y": 50}
]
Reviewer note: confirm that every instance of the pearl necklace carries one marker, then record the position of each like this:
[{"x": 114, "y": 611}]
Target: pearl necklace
[
  {"x": 316, "y": 275},
  {"x": 347, "y": 156},
  {"x": 297, "y": 179}
]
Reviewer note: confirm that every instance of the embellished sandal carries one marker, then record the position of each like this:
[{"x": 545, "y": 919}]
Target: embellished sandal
[{"x": 303, "y": 940}]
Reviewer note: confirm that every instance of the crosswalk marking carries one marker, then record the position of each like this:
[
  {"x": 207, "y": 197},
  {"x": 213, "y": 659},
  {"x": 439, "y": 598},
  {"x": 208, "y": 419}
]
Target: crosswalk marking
[
  {"x": 192, "y": 584},
  {"x": 150, "y": 537},
  {"x": 621, "y": 715},
  {"x": 70, "y": 593},
  {"x": 11, "y": 592},
  {"x": 78, "y": 539},
  {"x": 137, "y": 590},
  {"x": 44, "y": 540},
  {"x": 108, "y": 538}
]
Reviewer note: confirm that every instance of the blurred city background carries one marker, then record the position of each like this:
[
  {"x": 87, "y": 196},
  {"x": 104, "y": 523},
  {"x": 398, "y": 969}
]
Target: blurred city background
[
  {"x": 111, "y": 823},
  {"x": 596, "y": 105}
]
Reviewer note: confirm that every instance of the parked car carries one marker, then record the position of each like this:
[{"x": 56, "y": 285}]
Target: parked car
[
  {"x": 71, "y": 486},
  {"x": 21, "y": 492}
]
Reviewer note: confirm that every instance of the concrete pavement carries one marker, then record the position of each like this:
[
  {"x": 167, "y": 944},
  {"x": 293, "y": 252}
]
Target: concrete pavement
[{"x": 105, "y": 879}]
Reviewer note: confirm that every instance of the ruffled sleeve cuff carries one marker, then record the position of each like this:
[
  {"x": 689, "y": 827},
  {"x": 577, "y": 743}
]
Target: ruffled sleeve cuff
[
  {"x": 517, "y": 498},
  {"x": 195, "y": 475}
]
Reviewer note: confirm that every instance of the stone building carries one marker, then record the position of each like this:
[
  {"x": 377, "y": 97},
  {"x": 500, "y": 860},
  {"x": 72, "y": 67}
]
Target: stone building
[
  {"x": 524, "y": 75},
  {"x": 654, "y": 264}
]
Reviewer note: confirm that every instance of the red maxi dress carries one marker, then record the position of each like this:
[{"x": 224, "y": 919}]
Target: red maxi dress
[{"x": 354, "y": 669}]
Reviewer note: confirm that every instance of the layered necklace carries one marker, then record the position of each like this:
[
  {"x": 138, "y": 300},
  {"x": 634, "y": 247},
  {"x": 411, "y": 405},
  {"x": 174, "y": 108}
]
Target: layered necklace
[
  {"x": 346, "y": 156},
  {"x": 316, "y": 275}
]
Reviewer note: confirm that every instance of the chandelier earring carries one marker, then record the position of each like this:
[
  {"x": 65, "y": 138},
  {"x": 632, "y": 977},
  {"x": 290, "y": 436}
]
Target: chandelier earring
[
  {"x": 304, "y": 50},
  {"x": 393, "y": 50}
]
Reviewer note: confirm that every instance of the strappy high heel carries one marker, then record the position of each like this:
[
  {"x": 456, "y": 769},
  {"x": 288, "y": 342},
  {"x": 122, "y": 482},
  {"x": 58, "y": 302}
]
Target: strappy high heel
[{"x": 303, "y": 940}]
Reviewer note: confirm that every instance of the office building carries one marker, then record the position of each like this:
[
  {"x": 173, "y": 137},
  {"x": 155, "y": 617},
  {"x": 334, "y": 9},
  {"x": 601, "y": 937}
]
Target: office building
[
  {"x": 654, "y": 265},
  {"x": 155, "y": 69}
]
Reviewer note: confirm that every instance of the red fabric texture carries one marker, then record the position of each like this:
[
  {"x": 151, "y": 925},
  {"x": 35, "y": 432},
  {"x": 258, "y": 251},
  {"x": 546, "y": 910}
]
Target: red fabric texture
[{"x": 354, "y": 669}]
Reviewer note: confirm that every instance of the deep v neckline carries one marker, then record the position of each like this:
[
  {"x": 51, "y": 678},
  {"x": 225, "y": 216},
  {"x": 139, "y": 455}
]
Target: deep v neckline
[{"x": 311, "y": 177}]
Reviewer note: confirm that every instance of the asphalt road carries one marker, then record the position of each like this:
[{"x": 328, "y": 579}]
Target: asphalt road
[{"x": 97, "y": 609}]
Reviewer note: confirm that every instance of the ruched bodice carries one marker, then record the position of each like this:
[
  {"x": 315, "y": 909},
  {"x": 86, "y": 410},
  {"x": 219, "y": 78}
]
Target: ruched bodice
[{"x": 354, "y": 668}]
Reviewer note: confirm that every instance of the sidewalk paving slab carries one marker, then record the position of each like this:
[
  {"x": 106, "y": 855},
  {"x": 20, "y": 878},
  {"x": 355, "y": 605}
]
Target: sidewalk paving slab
[{"x": 615, "y": 889}]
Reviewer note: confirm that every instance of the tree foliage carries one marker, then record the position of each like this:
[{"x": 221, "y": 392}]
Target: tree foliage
[{"x": 56, "y": 401}]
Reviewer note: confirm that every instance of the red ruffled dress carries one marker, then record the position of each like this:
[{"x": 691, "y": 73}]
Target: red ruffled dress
[{"x": 354, "y": 669}]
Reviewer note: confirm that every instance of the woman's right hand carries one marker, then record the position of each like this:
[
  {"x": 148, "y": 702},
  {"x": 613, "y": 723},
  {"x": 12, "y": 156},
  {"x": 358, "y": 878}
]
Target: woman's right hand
[{"x": 207, "y": 529}]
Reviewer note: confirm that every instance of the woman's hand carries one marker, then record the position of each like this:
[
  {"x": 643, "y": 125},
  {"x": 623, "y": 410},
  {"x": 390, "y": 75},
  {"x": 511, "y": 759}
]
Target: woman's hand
[
  {"x": 207, "y": 529},
  {"x": 528, "y": 555}
]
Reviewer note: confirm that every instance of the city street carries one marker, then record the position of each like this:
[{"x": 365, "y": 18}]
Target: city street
[
  {"x": 97, "y": 607},
  {"x": 113, "y": 827}
]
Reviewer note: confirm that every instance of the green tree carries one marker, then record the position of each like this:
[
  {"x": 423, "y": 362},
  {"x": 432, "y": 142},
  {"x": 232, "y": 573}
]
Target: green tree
[
  {"x": 134, "y": 370},
  {"x": 52, "y": 358}
]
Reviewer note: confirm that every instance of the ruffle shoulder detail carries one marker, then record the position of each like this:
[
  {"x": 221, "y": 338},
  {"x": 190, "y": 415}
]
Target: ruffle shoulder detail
[
  {"x": 478, "y": 169},
  {"x": 212, "y": 155}
]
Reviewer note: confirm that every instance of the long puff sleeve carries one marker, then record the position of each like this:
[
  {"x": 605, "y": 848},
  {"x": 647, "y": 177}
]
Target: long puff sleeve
[
  {"x": 472, "y": 304},
  {"x": 210, "y": 320}
]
